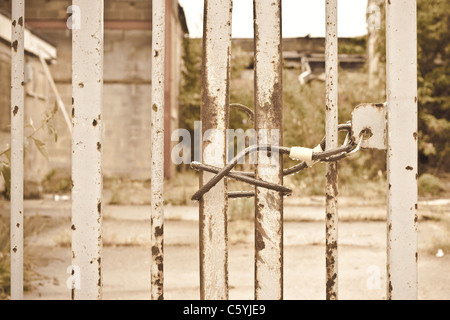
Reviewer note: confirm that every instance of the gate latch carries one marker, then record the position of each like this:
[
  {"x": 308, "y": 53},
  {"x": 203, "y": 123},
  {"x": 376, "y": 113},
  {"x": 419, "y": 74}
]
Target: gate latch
[{"x": 369, "y": 124}]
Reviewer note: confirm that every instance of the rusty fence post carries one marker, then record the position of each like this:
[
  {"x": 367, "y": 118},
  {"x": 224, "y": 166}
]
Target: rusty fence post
[
  {"x": 214, "y": 115},
  {"x": 87, "y": 89},
  {"x": 17, "y": 126},
  {"x": 331, "y": 131},
  {"x": 402, "y": 162},
  {"x": 268, "y": 125},
  {"x": 157, "y": 167}
]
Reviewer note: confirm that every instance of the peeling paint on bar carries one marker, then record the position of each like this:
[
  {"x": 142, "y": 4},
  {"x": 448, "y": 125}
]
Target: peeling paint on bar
[
  {"x": 214, "y": 113},
  {"x": 87, "y": 90},
  {"x": 331, "y": 131},
  {"x": 157, "y": 169},
  {"x": 268, "y": 115},
  {"x": 17, "y": 125},
  {"x": 401, "y": 64}
]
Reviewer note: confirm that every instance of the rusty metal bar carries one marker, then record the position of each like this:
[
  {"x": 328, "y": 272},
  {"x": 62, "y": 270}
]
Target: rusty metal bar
[
  {"x": 268, "y": 125},
  {"x": 87, "y": 89},
  {"x": 331, "y": 133},
  {"x": 17, "y": 125},
  {"x": 157, "y": 168},
  {"x": 401, "y": 77},
  {"x": 214, "y": 113}
]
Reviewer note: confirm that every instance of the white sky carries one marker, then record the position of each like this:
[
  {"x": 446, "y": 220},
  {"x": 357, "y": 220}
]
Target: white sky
[{"x": 300, "y": 18}]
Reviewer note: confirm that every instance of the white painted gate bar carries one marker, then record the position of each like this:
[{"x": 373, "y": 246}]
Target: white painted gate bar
[
  {"x": 17, "y": 126},
  {"x": 157, "y": 150},
  {"x": 268, "y": 125},
  {"x": 214, "y": 115},
  {"x": 87, "y": 99},
  {"x": 402, "y": 162},
  {"x": 331, "y": 132}
]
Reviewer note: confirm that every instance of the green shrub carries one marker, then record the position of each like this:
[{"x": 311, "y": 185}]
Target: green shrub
[{"x": 430, "y": 185}]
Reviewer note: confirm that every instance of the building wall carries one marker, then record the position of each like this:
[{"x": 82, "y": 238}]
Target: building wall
[
  {"x": 127, "y": 84},
  {"x": 37, "y": 106}
]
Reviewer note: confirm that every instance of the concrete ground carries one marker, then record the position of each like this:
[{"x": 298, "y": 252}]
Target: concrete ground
[{"x": 126, "y": 253}]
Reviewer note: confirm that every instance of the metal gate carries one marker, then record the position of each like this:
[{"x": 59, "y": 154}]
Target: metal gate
[{"x": 400, "y": 134}]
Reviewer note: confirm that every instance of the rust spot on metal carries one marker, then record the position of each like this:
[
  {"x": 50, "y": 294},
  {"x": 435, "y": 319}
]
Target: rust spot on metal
[
  {"x": 416, "y": 218},
  {"x": 94, "y": 122},
  {"x": 409, "y": 168},
  {"x": 73, "y": 100},
  {"x": 159, "y": 231},
  {"x": 329, "y": 216},
  {"x": 155, "y": 108},
  {"x": 99, "y": 146},
  {"x": 14, "y": 249},
  {"x": 415, "y": 136},
  {"x": 390, "y": 226},
  {"x": 415, "y": 206},
  {"x": 155, "y": 250},
  {"x": 14, "y": 45},
  {"x": 99, "y": 207},
  {"x": 259, "y": 241},
  {"x": 331, "y": 294},
  {"x": 390, "y": 287},
  {"x": 16, "y": 109},
  {"x": 18, "y": 225},
  {"x": 81, "y": 85},
  {"x": 390, "y": 185},
  {"x": 22, "y": 83},
  {"x": 417, "y": 256},
  {"x": 73, "y": 112},
  {"x": 14, "y": 23},
  {"x": 21, "y": 21},
  {"x": 156, "y": 53},
  {"x": 415, "y": 99},
  {"x": 73, "y": 227},
  {"x": 99, "y": 283}
]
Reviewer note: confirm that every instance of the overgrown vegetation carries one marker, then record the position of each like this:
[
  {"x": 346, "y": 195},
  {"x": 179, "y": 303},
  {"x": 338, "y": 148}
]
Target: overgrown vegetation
[
  {"x": 433, "y": 19},
  {"x": 303, "y": 113},
  {"x": 46, "y": 125},
  {"x": 32, "y": 226}
]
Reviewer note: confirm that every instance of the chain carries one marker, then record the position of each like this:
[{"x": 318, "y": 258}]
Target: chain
[{"x": 315, "y": 155}]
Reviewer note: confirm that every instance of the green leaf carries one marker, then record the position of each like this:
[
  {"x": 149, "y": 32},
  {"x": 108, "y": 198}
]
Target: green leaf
[
  {"x": 41, "y": 147},
  {"x": 5, "y": 170}
]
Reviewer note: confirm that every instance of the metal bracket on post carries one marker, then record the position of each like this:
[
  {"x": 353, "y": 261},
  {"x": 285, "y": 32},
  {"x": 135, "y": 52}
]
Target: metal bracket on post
[{"x": 369, "y": 123}]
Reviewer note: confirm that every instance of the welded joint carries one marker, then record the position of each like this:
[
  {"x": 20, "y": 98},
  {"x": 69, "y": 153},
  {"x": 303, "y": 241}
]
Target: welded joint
[{"x": 369, "y": 124}]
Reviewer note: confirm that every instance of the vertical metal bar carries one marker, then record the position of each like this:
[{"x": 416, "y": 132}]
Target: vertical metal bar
[
  {"x": 401, "y": 77},
  {"x": 168, "y": 87},
  {"x": 331, "y": 131},
  {"x": 268, "y": 124},
  {"x": 87, "y": 91},
  {"x": 214, "y": 113},
  {"x": 157, "y": 131},
  {"x": 17, "y": 115}
]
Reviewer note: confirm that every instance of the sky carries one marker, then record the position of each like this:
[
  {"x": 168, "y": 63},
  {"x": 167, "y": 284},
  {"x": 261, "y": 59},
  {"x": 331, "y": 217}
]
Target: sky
[{"x": 299, "y": 18}]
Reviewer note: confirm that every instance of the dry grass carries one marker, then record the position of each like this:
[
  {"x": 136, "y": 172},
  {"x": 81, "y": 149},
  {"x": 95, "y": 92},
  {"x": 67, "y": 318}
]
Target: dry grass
[{"x": 32, "y": 226}]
